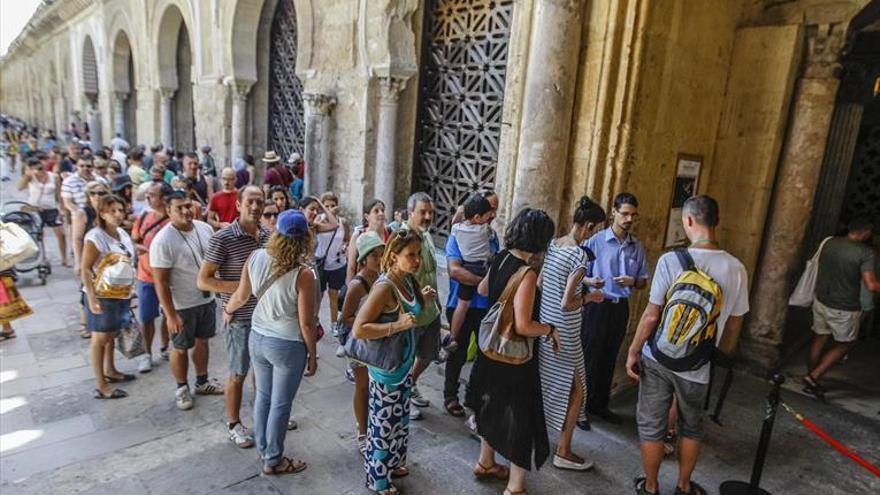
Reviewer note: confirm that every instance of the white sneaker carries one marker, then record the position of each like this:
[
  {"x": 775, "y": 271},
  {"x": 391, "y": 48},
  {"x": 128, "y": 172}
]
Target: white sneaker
[
  {"x": 417, "y": 400},
  {"x": 340, "y": 351},
  {"x": 183, "y": 398},
  {"x": 210, "y": 387},
  {"x": 240, "y": 436},
  {"x": 415, "y": 414},
  {"x": 146, "y": 364},
  {"x": 560, "y": 462},
  {"x": 163, "y": 353}
]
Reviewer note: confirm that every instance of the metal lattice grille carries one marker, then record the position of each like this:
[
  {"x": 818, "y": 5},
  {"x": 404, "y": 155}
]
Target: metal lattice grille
[
  {"x": 286, "y": 121},
  {"x": 461, "y": 96},
  {"x": 863, "y": 190}
]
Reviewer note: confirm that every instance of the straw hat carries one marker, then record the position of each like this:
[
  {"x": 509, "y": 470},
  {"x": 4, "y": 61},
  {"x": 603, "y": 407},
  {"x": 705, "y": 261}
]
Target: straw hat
[{"x": 271, "y": 157}]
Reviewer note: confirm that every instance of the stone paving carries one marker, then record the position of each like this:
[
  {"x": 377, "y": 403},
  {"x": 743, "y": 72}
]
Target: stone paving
[{"x": 56, "y": 439}]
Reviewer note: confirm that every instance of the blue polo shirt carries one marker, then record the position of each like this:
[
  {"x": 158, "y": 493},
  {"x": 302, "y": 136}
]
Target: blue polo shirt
[
  {"x": 614, "y": 259},
  {"x": 454, "y": 253}
]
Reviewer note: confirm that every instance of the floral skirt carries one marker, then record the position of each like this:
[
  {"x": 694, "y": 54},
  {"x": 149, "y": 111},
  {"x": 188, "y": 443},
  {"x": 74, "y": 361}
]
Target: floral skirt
[{"x": 387, "y": 431}]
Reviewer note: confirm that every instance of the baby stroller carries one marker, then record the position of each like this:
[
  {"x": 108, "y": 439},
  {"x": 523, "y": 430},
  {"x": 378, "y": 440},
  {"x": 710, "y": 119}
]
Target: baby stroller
[{"x": 24, "y": 215}]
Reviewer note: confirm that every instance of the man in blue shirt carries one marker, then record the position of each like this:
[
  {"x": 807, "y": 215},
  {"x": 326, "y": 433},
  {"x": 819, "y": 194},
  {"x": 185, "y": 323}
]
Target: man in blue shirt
[
  {"x": 458, "y": 274},
  {"x": 622, "y": 266}
]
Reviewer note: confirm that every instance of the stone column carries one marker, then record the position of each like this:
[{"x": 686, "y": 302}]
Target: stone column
[
  {"x": 385, "y": 175},
  {"x": 548, "y": 104},
  {"x": 94, "y": 124},
  {"x": 165, "y": 117},
  {"x": 796, "y": 181},
  {"x": 240, "y": 90},
  {"x": 119, "y": 112},
  {"x": 317, "y": 145}
]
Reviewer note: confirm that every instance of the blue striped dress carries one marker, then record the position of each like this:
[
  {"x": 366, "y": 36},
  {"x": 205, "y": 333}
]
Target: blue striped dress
[{"x": 558, "y": 369}]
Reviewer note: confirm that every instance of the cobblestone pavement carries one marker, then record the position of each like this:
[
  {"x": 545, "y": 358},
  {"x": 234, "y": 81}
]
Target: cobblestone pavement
[{"x": 56, "y": 439}]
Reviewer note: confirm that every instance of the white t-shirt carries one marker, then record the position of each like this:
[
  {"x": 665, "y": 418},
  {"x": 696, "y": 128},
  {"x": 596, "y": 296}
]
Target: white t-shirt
[
  {"x": 184, "y": 252},
  {"x": 105, "y": 244},
  {"x": 42, "y": 194},
  {"x": 730, "y": 274},
  {"x": 473, "y": 241}
]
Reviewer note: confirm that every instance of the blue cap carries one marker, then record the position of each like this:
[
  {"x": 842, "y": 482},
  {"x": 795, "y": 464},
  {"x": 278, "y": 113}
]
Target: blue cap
[{"x": 292, "y": 223}]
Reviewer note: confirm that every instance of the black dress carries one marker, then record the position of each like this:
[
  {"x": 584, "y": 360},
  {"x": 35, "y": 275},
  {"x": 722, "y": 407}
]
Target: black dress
[{"x": 507, "y": 398}]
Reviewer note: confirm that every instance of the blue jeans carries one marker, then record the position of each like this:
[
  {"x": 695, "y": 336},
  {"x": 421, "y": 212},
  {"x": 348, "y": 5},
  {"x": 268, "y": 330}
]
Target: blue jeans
[{"x": 278, "y": 368}]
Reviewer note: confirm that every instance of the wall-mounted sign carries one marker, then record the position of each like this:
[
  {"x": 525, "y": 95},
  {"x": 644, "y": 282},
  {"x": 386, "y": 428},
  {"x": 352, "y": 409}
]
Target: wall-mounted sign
[{"x": 687, "y": 178}]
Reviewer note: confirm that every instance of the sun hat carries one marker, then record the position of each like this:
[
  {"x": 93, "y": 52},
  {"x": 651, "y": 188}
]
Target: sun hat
[
  {"x": 271, "y": 157},
  {"x": 366, "y": 243},
  {"x": 292, "y": 224}
]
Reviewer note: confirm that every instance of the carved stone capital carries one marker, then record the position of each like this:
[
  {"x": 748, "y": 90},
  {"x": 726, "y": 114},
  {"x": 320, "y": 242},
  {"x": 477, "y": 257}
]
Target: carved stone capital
[
  {"x": 167, "y": 93},
  {"x": 121, "y": 96},
  {"x": 319, "y": 104},
  {"x": 240, "y": 89},
  {"x": 390, "y": 88},
  {"x": 824, "y": 46}
]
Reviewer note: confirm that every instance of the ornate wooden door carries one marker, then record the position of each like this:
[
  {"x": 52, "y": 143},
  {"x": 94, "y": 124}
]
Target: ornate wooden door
[
  {"x": 461, "y": 96},
  {"x": 863, "y": 189},
  {"x": 286, "y": 120}
]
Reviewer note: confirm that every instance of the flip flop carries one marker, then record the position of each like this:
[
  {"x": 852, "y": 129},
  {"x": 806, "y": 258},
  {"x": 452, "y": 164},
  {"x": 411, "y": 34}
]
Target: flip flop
[
  {"x": 116, "y": 394},
  {"x": 401, "y": 472},
  {"x": 493, "y": 472},
  {"x": 124, "y": 378},
  {"x": 640, "y": 487},
  {"x": 696, "y": 489},
  {"x": 286, "y": 466}
]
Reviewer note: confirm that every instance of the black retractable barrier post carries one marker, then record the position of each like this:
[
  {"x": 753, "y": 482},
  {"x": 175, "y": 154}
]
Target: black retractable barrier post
[{"x": 753, "y": 486}]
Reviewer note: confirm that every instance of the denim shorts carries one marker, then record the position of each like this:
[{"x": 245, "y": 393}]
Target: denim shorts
[
  {"x": 148, "y": 301},
  {"x": 115, "y": 315},
  {"x": 657, "y": 387},
  {"x": 237, "y": 352},
  {"x": 199, "y": 322}
]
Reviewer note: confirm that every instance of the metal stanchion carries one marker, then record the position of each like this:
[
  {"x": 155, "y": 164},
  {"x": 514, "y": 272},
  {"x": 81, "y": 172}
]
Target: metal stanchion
[{"x": 753, "y": 487}]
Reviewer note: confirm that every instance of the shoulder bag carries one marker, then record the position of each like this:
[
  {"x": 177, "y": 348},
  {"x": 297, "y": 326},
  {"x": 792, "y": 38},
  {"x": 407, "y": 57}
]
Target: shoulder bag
[
  {"x": 805, "y": 290},
  {"x": 498, "y": 339},
  {"x": 384, "y": 353}
]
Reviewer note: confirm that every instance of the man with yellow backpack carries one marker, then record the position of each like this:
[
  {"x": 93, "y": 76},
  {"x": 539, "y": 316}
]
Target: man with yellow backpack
[{"x": 698, "y": 298}]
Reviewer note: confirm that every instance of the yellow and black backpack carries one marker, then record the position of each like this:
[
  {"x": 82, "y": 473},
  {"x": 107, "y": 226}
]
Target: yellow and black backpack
[{"x": 685, "y": 338}]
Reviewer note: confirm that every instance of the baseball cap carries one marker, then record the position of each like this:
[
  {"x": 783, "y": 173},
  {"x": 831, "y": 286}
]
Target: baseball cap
[{"x": 292, "y": 223}]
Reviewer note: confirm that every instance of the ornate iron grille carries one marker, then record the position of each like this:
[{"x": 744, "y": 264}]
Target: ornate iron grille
[
  {"x": 863, "y": 190},
  {"x": 461, "y": 95},
  {"x": 286, "y": 121}
]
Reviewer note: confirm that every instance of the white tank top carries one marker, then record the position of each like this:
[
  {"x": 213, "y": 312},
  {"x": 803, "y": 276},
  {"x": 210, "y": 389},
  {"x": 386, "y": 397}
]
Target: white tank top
[
  {"x": 333, "y": 246},
  {"x": 42, "y": 194}
]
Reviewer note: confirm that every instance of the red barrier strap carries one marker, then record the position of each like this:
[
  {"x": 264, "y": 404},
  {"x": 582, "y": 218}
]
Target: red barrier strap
[{"x": 843, "y": 449}]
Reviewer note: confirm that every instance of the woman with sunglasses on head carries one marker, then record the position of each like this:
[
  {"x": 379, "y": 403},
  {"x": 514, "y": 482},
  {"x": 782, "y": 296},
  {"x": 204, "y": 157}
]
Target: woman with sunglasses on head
[
  {"x": 82, "y": 221},
  {"x": 44, "y": 194},
  {"x": 373, "y": 220},
  {"x": 392, "y": 307},
  {"x": 108, "y": 298}
]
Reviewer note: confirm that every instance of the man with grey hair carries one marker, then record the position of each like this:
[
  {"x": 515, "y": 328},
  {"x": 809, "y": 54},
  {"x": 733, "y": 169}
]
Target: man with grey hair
[{"x": 421, "y": 214}]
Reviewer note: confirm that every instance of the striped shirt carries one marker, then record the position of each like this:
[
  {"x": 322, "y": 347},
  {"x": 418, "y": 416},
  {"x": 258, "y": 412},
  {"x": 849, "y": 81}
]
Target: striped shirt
[
  {"x": 229, "y": 249},
  {"x": 74, "y": 187}
]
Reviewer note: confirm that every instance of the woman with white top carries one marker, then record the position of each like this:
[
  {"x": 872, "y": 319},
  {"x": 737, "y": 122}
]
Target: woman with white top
[
  {"x": 105, "y": 316},
  {"x": 44, "y": 194},
  {"x": 283, "y": 335}
]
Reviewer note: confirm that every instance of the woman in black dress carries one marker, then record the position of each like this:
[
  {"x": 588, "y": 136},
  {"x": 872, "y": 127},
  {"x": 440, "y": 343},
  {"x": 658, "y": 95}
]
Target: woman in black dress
[{"x": 506, "y": 398}]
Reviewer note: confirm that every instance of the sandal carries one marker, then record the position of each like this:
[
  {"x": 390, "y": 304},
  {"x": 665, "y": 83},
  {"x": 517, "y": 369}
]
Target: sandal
[
  {"x": 640, "y": 484},
  {"x": 286, "y": 466},
  {"x": 7, "y": 335},
  {"x": 696, "y": 489},
  {"x": 454, "y": 408},
  {"x": 84, "y": 333},
  {"x": 116, "y": 394},
  {"x": 812, "y": 387},
  {"x": 508, "y": 491},
  {"x": 391, "y": 490},
  {"x": 494, "y": 472},
  {"x": 401, "y": 472},
  {"x": 119, "y": 379}
]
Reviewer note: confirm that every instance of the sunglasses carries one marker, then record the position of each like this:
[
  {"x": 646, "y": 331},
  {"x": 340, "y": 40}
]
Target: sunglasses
[
  {"x": 98, "y": 193},
  {"x": 270, "y": 214}
]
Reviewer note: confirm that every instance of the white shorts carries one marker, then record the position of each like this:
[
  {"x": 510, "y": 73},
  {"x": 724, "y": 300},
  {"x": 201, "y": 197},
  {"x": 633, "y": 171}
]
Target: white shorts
[{"x": 842, "y": 325}]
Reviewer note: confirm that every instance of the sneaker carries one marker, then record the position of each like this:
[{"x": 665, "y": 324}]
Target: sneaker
[
  {"x": 349, "y": 375},
  {"x": 210, "y": 387},
  {"x": 417, "y": 399},
  {"x": 442, "y": 356},
  {"x": 240, "y": 436},
  {"x": 292, "y": 424},
  {"x": 146, "y": 364},
  {"x": 340, "y": 351},
  {"x": 183, "y": 398},
  {"x": 163, "y": 353},
  {"x": 578, "y": 464},
  {"x": 415, "y": 414},
  {"x": 449, "y": 344},
  {"x": 362, "y": 444}
]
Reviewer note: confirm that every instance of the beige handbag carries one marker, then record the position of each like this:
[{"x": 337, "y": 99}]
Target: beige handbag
[
  {"x": 15, "y": 245},
  {"x": 498, "y": 339}
]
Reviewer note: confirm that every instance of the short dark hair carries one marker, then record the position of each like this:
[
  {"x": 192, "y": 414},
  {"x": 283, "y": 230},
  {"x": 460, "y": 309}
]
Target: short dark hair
[
  {"x": 703, "y": 208},
  {"x": 33, "y": 162},
  {"x": 189, "y": 154},
  {"x": 476, "y": 204},
  {"x": 625, "y": 198},
  {"x": 587, "y": 211},
  {"x": 860, "y": 223},
  {"x": 530, "y": 230},
  {"x": 84, "y": 158},
  {"x": 136, "y": 154},
  {"x": 100, "y": 154},
  {"x": 175, "y": 194},
  {"x": 249, "y": 159}
]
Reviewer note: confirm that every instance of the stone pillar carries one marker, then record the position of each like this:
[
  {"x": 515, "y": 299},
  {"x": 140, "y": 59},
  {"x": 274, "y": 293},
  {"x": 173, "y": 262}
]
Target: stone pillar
[
  {"x": 317, "y": 145},
  {"x": 548, "y": 104},
  {"x": 94, "y": 124},
  {"x": 796, "y": 181},
  {"x": 119, "y": 113},
  {"x": 240, "y": 90},
  {"x": 165, "y": 132},
  {"x": 385, "y": 176}
]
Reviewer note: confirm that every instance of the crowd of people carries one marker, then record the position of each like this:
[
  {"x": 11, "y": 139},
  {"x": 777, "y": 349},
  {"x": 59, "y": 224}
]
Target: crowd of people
[{"x": 197, "y": 239}]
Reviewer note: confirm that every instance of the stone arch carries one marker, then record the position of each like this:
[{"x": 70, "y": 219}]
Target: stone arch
[
  {"x": 176, "y": 60},
  {"x": 248, "y": 31},
  {"x": 125, "y": 85}
]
